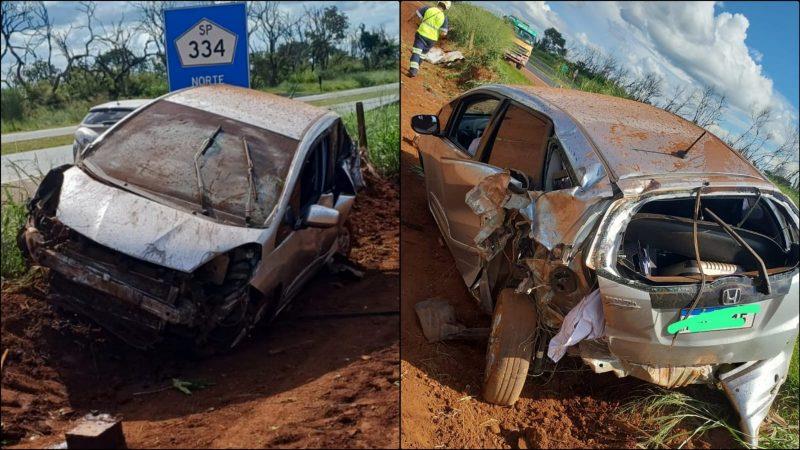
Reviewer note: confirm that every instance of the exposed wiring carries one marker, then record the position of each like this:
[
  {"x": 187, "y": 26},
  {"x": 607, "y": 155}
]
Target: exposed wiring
[{"x": 696, "y": 258}]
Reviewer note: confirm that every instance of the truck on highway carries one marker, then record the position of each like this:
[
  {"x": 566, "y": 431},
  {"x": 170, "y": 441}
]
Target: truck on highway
[{"x": 525, "y": 37}]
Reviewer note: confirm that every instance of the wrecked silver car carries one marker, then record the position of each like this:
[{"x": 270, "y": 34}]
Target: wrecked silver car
[
  {"x": 196, "y": 216},
  {"x": 618, "y": 232}
]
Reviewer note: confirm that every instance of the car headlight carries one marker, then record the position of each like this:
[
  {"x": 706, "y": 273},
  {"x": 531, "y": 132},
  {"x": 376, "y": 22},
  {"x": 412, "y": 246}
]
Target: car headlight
[{"x": 83, "y": 137}]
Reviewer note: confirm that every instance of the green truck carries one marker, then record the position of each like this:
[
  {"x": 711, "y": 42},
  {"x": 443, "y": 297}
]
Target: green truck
[{"x": 525, "y": 37}]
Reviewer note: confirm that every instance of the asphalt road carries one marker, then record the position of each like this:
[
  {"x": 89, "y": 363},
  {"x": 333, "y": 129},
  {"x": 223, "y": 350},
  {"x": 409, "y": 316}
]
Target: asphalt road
[
  {"x": 38, "y": 134},
  {"x": 33, "y": 164},
  {"x": 536, "y": 71}
]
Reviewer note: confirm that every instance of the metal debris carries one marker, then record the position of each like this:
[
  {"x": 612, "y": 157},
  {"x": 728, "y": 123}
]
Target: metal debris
[
  {"x": 96, "y": 431},
  {"x": 438, "y": 320}
]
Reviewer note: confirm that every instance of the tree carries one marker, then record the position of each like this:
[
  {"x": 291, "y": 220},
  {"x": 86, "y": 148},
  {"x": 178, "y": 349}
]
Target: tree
[
  {"x": 325, "y": 29},
  {"x": 751, "y": 140},
  {"x": 20, "y": 33},
  {"x": 374, "y": 48},
  {"x": 271, "y": 27},
  {"x": 644, "y": 89},
  {"x": 708, "y": 108},
  {"x": 553, "y": 42}
]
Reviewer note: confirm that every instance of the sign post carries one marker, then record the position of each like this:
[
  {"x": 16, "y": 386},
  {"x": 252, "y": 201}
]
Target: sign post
[{"x": 207, "y": 45}]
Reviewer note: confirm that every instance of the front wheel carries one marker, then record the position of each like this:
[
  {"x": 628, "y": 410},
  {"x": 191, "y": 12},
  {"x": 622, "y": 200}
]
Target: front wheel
[{"x": 511, "y": 345}]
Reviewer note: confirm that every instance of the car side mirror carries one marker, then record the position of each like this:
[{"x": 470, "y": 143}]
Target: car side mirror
[
  {"x": 319, "y": 216},
  {"x": 425, "y": 124}
]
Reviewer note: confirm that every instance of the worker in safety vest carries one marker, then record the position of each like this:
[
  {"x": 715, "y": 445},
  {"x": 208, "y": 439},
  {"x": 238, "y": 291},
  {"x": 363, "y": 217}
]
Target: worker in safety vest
[{"x": 433, "y": 24}]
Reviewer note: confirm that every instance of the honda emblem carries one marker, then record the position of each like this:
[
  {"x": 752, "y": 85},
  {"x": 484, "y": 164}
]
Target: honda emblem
[{"x": 731, "y": 296}]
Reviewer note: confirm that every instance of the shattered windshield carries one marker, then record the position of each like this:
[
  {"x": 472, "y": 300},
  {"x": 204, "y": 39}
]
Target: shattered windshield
[{"x": 155, "y": 151}]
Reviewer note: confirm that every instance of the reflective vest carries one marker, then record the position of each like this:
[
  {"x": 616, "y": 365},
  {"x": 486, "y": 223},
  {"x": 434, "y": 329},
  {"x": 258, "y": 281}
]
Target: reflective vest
[{"x": 431, "y": 22}]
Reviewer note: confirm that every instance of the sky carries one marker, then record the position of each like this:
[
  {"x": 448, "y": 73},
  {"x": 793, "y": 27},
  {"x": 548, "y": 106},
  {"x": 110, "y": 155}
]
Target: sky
[
  {"x": 745, "y": 50},
  {"x": 374, "y": 14}
]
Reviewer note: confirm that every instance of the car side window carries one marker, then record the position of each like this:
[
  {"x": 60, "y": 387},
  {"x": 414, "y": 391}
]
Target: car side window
[
  {"x": 469, "y": 126},
  {"x": 309, "y": 187},
  {"x": 556, "y": 176},
  {"x": 520, "y": 143}
]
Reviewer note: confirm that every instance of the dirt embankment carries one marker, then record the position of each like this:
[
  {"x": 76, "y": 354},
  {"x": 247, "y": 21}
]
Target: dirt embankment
[
  {"x": 306, "y": 380},
  {"x": 441, "y": 383}
]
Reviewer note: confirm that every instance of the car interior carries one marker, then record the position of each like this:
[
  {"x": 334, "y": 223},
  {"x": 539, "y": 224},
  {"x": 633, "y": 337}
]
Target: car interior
[{"x": 473, "y": 123}]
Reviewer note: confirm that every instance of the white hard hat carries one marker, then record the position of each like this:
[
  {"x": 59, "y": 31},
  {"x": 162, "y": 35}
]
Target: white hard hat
[{"x": 445, "y": 5}]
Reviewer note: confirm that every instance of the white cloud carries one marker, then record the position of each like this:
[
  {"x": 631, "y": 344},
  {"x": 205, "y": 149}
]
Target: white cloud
[{"x": 711, "y": 48}]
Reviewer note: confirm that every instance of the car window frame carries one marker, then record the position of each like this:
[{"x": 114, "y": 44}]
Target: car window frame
[
  {"x": 484, "y": 150},
  {"x": 458, "y": 111}
]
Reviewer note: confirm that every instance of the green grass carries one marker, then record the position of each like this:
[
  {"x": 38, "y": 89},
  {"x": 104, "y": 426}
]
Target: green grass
[
  {"x": 478, "y": 30},
  {"x": 12, "y": 214},
  {"x": 353, "y": 98},
  {"x": 509, "y": 74},
  {"x": 671, "y": 419},
  {"x": 8, "y": 148},
  {"x": 383, "y": 136},
  {"x": 43, "y": 118},
  {"x": 787, "y": 189},
  {"x": 343, "y": 82}
]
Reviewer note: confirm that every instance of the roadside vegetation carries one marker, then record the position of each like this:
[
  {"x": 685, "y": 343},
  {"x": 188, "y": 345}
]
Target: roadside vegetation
[
  {"x": 13, "y": 216},
  {"x": 483, "y": 37},
  {"x": 383, "y": 137},
  {"x": 8, "y": 148},
  {"x": 316, "y": 51}
]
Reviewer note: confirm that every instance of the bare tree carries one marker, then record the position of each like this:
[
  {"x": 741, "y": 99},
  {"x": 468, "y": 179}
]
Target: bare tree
[
  {"x": 644, "y": 89},
  {"x": 783, "y": 157},
  {"x": 120, "y": 57},
  {"x": 751, "y": 140},
  {"x": 20, "y": 35},
  {"x": 708, "y": 107},
  {"x": 676, "y": 101},
  {"x": 152, "y": 22},
  {"x": 271, "y": 27},
  {"x": 74, "y": 55}
]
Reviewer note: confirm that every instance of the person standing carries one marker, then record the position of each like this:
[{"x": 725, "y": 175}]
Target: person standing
[{"x": 433, "y": 24}]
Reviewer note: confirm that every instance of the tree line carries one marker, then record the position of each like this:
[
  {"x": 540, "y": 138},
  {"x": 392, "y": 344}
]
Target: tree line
[{"x": 90, "y": 58}]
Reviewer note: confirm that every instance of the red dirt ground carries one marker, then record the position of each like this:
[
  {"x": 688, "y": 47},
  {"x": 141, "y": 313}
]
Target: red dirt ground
[
  {"x": 441, "y": 383},
  {"x": 299, "y": 382}
]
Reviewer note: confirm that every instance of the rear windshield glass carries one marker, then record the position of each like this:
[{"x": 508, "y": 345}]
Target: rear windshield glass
[
  {"x": 111, "y": 116},
  {"x": 155, "y": 151}
]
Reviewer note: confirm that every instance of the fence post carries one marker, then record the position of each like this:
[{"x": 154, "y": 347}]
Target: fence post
[
  {"x": 362, "y": 140},
  {"x": 362, "y": 127}
]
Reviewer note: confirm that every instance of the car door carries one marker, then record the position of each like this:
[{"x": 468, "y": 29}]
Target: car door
[
  {"x": 452, "y": 167},
  {"x": 297, "y": 246}
]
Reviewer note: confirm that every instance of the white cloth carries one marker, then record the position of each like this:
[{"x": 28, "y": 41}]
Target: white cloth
[
  {"x": 585, "y": 321},
  {"x": 438, "y": 56}
]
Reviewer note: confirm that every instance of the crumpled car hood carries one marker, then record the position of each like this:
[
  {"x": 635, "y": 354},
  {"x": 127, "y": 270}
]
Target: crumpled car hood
[{"x": 142, "y": 228}]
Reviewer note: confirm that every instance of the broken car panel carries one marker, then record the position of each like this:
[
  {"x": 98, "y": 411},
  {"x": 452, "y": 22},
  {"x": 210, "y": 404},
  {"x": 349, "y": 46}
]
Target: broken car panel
[
  {"x": 559, "y": 194},
  {"x": 197, "y": 215}
]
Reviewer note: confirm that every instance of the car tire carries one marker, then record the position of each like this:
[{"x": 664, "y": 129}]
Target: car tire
[{"x": 510, "y": 347}]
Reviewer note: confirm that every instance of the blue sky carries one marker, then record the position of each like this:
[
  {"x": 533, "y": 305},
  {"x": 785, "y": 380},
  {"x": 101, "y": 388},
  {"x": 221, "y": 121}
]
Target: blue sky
[
  {"x": 745, "y": 50},
  {"x": 773, "y": 32}
]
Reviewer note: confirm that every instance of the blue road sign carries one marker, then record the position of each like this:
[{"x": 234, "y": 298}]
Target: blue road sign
[{"x": 207, "y": 45}]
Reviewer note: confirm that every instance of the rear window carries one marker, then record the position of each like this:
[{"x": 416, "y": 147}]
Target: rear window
[
  {"x": 105, "y": 116},
  {"x": 155, "y": 151}
]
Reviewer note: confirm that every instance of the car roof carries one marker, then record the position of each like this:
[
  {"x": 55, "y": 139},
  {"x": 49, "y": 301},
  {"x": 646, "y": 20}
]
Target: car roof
[
  {"x": 123, "y": 104},
  {"x": 631, "y": 139},
  {"x": 291, "y": 118}
]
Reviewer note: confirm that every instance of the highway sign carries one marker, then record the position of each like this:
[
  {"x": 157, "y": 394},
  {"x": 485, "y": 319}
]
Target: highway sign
[{"x": 207, "y": 45}]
